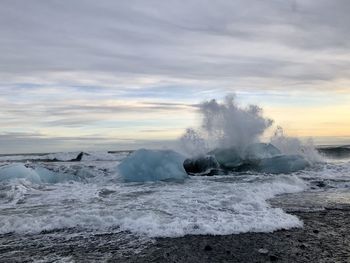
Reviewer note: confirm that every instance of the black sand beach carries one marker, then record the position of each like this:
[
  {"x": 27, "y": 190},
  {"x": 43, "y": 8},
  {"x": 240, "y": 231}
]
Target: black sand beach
[{"x": 325, "y": 237}]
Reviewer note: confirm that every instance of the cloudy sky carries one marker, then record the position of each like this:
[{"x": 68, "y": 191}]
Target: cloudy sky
[{"x": 112, "y": 74}]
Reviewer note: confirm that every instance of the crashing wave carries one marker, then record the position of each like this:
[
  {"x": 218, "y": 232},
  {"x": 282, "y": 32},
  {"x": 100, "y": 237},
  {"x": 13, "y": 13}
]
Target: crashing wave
[{"x": 231, "y": 134}]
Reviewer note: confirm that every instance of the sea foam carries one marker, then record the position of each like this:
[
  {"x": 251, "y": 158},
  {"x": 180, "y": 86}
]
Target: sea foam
[{"x": 217, "y": 205}]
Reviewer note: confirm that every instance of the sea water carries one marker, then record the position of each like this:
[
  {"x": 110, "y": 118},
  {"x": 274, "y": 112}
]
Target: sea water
[{"x": 92, "y": 195}]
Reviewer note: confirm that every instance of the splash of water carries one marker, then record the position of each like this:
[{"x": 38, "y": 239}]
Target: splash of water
[
  {"x": 224, "y": 125},
  {"x": 291, "y": 145}
]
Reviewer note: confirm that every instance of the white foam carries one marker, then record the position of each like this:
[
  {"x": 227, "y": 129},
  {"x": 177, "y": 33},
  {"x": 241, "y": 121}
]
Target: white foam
[
  {"x": 104, "y": 156},
  {"x": 198, "y": 206}
]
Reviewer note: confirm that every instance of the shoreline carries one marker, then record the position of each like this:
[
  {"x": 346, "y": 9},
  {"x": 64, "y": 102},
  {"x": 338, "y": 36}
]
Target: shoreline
[{"x": 325, "y": 237}]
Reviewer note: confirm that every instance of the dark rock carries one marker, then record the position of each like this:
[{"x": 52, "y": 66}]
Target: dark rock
[
  {"x": 204, "y": 165},
  {"x": 273, "y": 258},
  {"x": 316, "y": 231},
  {"x": 260, "y": 157},
  {"x": 336, "y": 152},
  {"x": 78, "y": 158},
  {"x": 302, "y": 246},
  {"x": 321, "y": 184}
]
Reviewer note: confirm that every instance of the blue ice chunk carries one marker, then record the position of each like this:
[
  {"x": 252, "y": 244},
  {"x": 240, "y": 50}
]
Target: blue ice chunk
[
  {"x": 258, "y": 151},
  {"x": 282, "y": 164},
  {"x": 152, "y": 165},
  {"x": 36, "y": 174},
  {"x": 18, "y": 171},
  {"x": 48, "y": 176},
  {"x": 228, "y": 158}
]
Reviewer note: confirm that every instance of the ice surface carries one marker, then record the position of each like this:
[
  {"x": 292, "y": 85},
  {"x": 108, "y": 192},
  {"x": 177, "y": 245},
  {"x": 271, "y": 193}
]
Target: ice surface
[
  {"x": 282, "y": 164},
  {"x": 152, "y": 165},
  {"x": 35, "y": 174},
  {"x": 260, "y": 157},
  {"x": 18, "y": 171},
  {"x": 227, "y": 158},
  {"x": 258, "y": 151}
]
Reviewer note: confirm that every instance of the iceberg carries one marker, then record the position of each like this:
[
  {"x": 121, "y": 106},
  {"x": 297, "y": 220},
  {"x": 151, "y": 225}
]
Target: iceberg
[
  {"x": 152, "y": 165},
  {"x": 18, "y": 171},
  {"x": 282, "y": 164},
  {"x": 258, "y": 157},
  {"x": 228, "y": 158},
  {"x": 258, "y": 151}
]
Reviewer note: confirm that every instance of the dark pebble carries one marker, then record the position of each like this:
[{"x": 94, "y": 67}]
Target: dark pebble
[
  {"x": 321, "y": 184},
  {"x": 208, "y": 248},
  {"x": 273, "y": 258}
]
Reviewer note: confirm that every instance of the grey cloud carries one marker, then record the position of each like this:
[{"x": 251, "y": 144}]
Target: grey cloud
[
  {"x": 61, "y": 61},
  {"x": 169, "y": 38},
  {"x": 59, "y": 114}
]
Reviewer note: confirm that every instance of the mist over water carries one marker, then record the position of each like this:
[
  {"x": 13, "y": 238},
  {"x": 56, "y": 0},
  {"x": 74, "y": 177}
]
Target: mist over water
[
  {"x": 291, "y": 145},
  {"x": 224, "y": 125}
]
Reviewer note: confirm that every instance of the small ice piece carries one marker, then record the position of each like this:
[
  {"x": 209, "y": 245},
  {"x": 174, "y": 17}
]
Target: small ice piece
[
  {"x": 282, "y": 164},
  {"x": 258, "y": 151},
  {"x": 35, "y": 174},
  {"x": 51, "y": 177},
  {"x": 18, "y": 171},
  {"x": 228, "y": 158},
  {"x": 263, "y": 251},
  {"x": 152, "y": 165}
]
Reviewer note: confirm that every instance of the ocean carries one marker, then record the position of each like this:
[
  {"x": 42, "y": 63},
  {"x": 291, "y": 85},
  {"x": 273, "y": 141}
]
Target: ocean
[{"x": 48, "y": 199}]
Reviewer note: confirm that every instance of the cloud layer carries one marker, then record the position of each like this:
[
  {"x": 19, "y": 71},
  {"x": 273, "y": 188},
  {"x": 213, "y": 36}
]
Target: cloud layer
[{"x": 81, "y": 68}]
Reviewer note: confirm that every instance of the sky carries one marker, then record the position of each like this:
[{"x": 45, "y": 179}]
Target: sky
[{"x": 112, "y": 74}]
